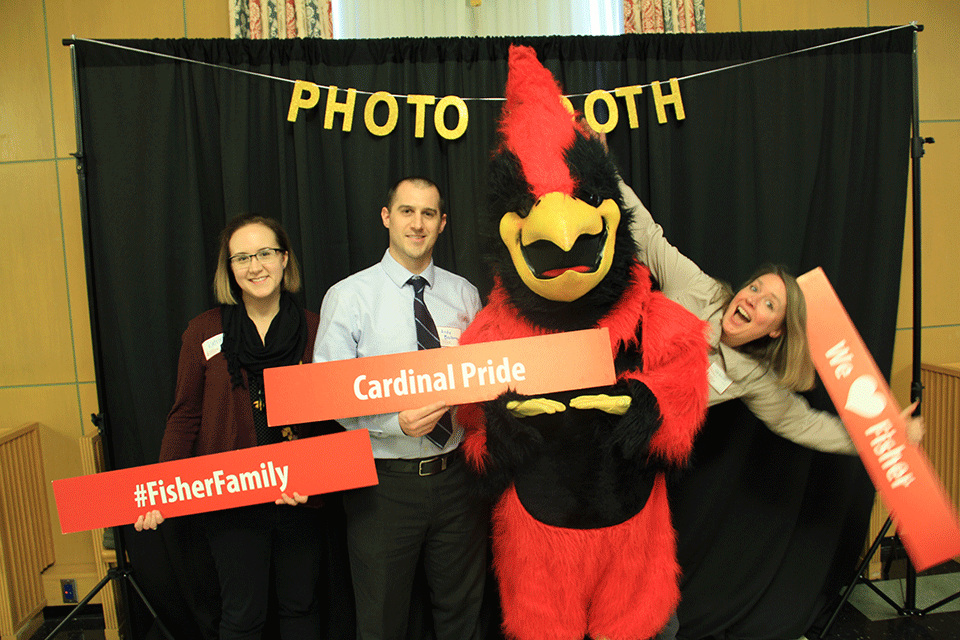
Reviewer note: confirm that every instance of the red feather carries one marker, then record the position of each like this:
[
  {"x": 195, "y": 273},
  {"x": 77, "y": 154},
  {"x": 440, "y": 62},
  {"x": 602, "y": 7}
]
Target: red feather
[{"x": 535, "y": 125}]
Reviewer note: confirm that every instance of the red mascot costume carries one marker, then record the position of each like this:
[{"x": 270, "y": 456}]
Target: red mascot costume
[{"x": 582, "y": 539}]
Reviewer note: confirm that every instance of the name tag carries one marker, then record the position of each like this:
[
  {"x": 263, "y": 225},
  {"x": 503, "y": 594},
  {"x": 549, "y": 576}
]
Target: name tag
[
  {"x": 211, "y": 346},
  {"x": 449, "y": 336},
  {"x": 717, "y": 378}
]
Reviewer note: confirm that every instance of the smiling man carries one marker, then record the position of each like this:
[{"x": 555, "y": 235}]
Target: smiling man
[
  {"x": 415, "y": 220},
  {"x": 423, "y": 503}
]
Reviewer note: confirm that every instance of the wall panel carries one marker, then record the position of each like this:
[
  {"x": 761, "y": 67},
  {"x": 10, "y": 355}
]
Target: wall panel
[
  {"x": 722, "y": 15},
  {"x": 76, "y": 269},
  {"x": 938, "y": 46},
  {"x": 25, "y": 132},
  {"x": 208, "y": 19},
  {"x": 764, "y": 15},
  {"x": 98, "y": 19},
  {"x": 940, "y": 223},
  {"x": 36, "y": 347}
]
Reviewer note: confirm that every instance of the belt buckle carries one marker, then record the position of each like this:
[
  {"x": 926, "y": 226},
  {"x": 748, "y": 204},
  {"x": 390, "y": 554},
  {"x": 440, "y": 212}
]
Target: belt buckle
[
  {"x": 443, "y": 465},
  {"x": 420, "y": 467}
]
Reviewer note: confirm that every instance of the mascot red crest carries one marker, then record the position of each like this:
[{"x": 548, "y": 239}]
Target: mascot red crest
[{"x": 582, "y": 539}]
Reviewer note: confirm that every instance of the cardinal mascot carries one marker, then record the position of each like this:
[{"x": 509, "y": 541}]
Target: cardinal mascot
[{"x": 582, "y": 539}]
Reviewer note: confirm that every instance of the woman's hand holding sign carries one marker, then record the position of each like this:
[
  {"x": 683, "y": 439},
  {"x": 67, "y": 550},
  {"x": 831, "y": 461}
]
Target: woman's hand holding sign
[{"x": 150, "y": 520}]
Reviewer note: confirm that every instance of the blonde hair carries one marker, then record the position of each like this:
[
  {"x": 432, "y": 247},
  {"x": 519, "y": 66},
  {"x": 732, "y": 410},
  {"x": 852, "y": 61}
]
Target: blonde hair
[
  {"x": 225, "y": 286},
  {"x": 789, "y": 353}
]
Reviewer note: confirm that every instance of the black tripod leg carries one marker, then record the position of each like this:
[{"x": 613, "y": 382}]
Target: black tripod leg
[
  {"x": 940, "y": 604},
  {"x": 146, "y": 603},
  {"x": 111, "y": 574},
  {"x": 910, "y": 598},
  {"x": 857, "y": 577},
  {"x": 896, "y": 607}
]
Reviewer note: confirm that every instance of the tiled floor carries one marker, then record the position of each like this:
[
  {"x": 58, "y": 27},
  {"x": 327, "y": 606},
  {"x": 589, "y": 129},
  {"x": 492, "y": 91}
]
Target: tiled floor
[
  {"x": 868, "y": 617},
  {"x": 87, "y": 625},
  {"x": 851, "y": 624}
]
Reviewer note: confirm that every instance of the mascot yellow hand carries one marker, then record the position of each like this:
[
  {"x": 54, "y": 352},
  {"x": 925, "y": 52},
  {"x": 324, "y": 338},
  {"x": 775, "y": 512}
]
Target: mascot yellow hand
[
  {"x": 534, "y": 407},
  {"x": 616, "y": 405}
]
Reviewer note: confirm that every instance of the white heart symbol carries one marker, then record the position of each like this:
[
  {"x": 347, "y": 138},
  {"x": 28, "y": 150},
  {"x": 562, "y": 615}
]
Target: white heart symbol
[{"x": 863, "y": 398}]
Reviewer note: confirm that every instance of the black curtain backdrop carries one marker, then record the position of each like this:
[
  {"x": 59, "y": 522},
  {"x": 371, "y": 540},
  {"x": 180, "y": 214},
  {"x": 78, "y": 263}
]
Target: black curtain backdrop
[{"x": 801, "y": 159}]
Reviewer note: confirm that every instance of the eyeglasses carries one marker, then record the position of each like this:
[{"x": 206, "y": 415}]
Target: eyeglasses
[{"x": 264, "y": 256}]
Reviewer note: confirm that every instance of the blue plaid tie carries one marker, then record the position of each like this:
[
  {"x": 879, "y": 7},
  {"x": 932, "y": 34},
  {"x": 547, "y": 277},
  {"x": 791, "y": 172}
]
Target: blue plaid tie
[{"x": 428, "y": 338}]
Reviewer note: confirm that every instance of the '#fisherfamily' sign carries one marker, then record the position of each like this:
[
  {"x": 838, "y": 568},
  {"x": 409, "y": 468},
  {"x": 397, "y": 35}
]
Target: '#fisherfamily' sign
[{"x": 309, "y": 466}]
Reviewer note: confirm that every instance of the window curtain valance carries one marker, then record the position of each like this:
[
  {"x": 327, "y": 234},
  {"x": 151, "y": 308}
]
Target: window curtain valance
[{"x": 259, "y": 19}]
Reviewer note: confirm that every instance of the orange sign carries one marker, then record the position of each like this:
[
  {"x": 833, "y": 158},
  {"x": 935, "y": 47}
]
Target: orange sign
[
  {"x": 456, "y": 375},
  {"x": 908, "y": 485},
  {"x": 309, "y": 466}
]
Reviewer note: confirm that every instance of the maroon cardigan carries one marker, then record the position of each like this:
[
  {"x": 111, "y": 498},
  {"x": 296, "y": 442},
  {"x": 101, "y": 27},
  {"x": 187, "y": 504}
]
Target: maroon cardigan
[{"x": 208, "y": 414}]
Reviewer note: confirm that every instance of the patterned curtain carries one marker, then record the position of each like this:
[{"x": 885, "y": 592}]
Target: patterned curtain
[
  {"x": 257, "y": 19},
  {"x": 664, "y": 16}
]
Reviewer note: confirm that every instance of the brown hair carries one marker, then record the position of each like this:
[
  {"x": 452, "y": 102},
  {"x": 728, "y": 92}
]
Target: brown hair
[
  {"x": 225, "y": 286},
  {"x": 789, "y": 353},
  {"x": 417, "y": 181}
]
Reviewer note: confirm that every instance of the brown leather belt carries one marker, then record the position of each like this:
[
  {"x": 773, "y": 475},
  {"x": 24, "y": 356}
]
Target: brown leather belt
[{"x": 422, "y": 467}]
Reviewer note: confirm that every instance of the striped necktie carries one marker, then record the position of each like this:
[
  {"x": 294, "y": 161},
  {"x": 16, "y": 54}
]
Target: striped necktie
[{"x": 428, "y": 338}]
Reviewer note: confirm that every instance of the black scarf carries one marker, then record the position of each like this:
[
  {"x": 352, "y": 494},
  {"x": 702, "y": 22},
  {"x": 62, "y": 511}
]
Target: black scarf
[{"x": 243, "y": 348}]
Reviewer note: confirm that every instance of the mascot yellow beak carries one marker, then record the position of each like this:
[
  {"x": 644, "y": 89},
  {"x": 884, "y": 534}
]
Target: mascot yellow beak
[{"x": 563, "y": 248}]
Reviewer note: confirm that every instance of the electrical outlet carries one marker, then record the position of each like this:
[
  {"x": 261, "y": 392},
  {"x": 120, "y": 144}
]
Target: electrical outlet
[{"x": 69, "y": 590}]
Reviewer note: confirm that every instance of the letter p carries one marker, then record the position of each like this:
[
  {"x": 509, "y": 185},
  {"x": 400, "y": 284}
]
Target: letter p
[{"x": 298, "y": 101}]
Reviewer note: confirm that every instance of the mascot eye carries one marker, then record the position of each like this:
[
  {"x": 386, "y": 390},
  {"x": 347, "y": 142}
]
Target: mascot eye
[
  {"x": 524, "y": 205},
  {"x": 591, "y": 199}
]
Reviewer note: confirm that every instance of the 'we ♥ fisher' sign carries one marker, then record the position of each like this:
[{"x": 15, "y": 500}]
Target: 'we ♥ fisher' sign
[{"x": 908, "y": 485}]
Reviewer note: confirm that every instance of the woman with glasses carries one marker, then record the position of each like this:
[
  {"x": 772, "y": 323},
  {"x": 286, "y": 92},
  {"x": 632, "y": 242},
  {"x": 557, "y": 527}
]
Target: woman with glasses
[{"x": 219, "y": 406}]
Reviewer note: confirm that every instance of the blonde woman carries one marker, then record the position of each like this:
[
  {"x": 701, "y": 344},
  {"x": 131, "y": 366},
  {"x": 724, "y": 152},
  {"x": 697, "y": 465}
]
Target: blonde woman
[{"x": 759, "y": 350}]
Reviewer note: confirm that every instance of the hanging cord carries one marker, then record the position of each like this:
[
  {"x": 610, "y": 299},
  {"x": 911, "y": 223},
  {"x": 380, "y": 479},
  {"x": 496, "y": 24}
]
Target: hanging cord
[{"x": 912, "y": 25}]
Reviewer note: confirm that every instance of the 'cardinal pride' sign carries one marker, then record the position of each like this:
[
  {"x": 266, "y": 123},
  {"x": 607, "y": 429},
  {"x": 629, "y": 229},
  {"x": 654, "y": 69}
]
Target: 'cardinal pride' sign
[
  {"x": 925, "y": 518},
  {"x": 457, "y": 375}
]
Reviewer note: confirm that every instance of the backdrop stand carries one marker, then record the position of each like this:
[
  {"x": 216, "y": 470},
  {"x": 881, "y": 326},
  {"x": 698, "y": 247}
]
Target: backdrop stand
[
  {"x": 122, "y": 571},
  {"x": 174, "y": 149},
  {"x": 909, "y": 607}
]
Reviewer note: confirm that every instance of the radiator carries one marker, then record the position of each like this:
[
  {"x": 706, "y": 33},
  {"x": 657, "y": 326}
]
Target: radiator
[
  {"x": 941, "y": 414},
  {"x": 26, "y": 541}
]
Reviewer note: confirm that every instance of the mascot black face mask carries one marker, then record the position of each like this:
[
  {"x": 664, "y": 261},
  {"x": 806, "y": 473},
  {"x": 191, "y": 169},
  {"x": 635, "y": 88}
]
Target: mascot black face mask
[
  {"x": 563, "y": 245},
  {"x": 566, "y": 246}
]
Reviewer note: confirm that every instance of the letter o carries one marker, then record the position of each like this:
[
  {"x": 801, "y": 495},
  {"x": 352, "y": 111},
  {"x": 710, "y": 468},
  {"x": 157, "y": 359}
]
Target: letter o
[
  {"x": 463, "y": 115},
  {"x": 588, "y": 113},
  {"x": 393, "y": 111}
]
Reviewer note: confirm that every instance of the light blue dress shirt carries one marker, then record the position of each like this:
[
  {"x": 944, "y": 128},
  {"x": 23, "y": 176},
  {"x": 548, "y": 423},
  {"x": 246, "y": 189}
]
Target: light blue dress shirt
[{"x": 371, "y": 314}]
